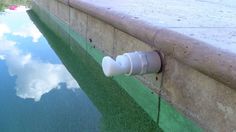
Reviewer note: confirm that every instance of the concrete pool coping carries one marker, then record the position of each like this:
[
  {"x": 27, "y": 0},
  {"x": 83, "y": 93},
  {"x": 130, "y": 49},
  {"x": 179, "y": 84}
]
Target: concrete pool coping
[{"x": 210, "y": 60}]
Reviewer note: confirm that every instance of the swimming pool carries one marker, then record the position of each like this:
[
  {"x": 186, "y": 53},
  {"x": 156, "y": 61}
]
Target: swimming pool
[{"x": 48, "y": 84}]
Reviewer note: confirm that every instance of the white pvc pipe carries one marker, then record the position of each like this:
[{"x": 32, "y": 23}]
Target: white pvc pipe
[{"x": 132, "y": 63}]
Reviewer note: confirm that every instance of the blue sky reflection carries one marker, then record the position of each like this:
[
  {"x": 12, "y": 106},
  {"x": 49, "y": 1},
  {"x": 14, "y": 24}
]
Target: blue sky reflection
[{"x": 34, "y": 77}]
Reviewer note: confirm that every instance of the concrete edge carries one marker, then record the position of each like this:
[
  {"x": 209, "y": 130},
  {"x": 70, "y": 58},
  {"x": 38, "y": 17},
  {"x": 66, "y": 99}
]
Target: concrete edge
[{"x": 203, "y": 57}]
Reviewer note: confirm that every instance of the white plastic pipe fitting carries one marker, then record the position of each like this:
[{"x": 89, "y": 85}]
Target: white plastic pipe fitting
[{"x": 133, "y": 63}]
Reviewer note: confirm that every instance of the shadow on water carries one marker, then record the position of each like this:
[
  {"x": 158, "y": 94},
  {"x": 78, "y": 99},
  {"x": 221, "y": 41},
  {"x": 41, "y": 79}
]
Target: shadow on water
[{"x": 119, "y": 111}]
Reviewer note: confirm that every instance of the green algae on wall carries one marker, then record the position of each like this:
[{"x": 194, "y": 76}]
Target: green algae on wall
[
  {"x": 135, "y": 88},
  {"x": 119, "y": 111}
]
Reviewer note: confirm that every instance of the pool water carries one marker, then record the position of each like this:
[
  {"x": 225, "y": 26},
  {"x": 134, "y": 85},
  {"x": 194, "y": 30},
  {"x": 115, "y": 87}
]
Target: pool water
[{"x": 47, "y": 84}]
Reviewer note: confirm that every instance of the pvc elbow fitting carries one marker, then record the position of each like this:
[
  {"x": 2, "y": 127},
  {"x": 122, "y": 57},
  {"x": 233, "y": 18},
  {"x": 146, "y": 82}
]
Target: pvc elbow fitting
[{"x": 132, "y": 63}]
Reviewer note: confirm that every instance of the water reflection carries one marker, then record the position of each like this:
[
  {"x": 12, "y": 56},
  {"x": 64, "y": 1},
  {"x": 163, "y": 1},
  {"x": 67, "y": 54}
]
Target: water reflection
[
  {"x": 13, "y": 4},
  {"x": 34, "y": 77},
  {"x": 3, "y": 30},
  {"x": 18, "y": 24},
  {"x": 28, "y": 30}
]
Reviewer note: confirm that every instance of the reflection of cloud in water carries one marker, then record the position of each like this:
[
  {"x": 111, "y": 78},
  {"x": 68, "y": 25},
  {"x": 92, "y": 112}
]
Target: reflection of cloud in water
[
  {"x": 28, "y": 31},
  {"x": 34, "y": 77},
  {"x": 2, "y": 57},
  {"x": 25, "y": 28},
  {"x": 3, "y": 30}
]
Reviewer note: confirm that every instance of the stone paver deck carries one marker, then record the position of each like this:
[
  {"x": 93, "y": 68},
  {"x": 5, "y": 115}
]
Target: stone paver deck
[{"x": 211, "y": 21}]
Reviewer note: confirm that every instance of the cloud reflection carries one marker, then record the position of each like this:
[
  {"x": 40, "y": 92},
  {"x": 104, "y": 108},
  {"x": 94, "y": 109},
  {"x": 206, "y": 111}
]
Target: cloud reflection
[
  {"x": 3, "y": 30},
  {"x": 17, "y": 23},
  {"x": 28, "y": 31},
  {"x": 34, "y": 78}
]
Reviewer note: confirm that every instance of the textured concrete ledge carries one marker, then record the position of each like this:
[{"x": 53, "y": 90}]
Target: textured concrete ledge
[{"x": 210, "y": 60}]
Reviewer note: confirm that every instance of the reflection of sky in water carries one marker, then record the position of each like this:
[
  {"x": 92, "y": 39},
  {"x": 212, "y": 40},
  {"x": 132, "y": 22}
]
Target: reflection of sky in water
[
  {"x": 34, "y": 77},
  {"x": 18, "y": 24},
  {"x": 31, "y": 70}
]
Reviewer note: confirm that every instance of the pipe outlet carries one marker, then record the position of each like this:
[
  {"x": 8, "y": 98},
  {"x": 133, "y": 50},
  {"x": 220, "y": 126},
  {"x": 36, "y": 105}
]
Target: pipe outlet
[{"x": 132, "y": 63}]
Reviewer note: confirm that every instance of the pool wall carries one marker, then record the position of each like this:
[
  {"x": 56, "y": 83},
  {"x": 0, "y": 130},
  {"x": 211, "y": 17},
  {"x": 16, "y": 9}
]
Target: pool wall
[{"x": 187, "y": 94}]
